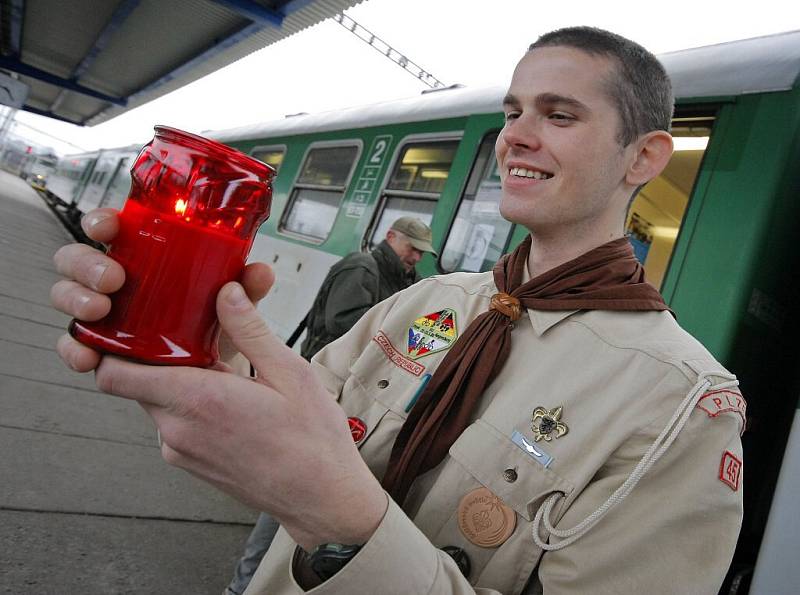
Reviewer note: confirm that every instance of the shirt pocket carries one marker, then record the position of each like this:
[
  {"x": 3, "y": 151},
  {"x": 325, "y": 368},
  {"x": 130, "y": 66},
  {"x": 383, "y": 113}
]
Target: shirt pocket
[
  {"x": 488, "y": 458},
  {"x": 379, "y": 393}
]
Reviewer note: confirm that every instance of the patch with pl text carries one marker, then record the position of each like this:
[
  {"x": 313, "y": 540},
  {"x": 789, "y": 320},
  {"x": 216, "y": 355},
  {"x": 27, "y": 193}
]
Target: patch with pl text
[
  {"x": 716, "y": 402},
  {"x": 431, "y": 333},
  {"x": 730, "y": 470},
  {"x": 397, "y": 358}
]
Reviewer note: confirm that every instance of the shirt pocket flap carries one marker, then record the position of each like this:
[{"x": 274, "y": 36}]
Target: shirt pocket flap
[
  {"x": 383, "y": 381},
  {"x": 487, "y": 455}
]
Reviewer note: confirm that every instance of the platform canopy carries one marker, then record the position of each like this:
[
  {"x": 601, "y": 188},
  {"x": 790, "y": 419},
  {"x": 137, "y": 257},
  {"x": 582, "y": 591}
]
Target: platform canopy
[{"x": 86, "y": 61}]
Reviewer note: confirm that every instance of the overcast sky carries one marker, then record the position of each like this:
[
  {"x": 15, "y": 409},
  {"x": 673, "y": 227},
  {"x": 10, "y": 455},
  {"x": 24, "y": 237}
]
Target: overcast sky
[{"x": 475, "y": 43}]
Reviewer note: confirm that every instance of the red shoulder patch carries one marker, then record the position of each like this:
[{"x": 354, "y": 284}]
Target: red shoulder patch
[
  {"x": 716, "y": 402},
  {"x": 730, "y": 470}
]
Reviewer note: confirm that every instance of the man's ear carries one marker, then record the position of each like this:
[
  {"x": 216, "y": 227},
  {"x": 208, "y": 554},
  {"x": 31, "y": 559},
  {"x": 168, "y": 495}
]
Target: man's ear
[{"x": 654, "y": 150}]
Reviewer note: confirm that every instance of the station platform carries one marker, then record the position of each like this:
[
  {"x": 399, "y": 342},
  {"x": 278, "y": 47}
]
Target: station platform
[{"x": 87, "y": 505}]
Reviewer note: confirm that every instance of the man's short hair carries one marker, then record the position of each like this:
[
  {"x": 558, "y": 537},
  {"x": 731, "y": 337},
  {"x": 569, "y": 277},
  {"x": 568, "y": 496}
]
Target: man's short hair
[{"x": 640, "y": 88}]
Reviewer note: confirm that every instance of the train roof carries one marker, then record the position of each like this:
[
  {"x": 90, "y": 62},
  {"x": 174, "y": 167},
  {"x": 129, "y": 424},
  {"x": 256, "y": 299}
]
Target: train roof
[{"x": 757, "y": 65}]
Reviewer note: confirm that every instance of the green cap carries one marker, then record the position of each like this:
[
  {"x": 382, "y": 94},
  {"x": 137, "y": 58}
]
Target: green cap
[{"x": 417, "y": 232}]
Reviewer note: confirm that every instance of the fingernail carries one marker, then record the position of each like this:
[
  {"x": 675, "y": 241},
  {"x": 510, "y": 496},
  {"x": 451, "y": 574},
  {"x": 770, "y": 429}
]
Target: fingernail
[
  {"x": 237, "y": 297},
  {"x": 96, "y": 273},
  {"x": 95, "y": 219}
]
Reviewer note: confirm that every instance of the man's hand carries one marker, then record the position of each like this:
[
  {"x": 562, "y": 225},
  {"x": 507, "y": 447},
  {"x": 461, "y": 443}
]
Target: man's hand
[
  {"x": 280, "y": 443},
  {"x": 91, "y": 276}
]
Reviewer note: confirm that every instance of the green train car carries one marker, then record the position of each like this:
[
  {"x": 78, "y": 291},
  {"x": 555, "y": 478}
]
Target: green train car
[{"x": 715, "y": 232}]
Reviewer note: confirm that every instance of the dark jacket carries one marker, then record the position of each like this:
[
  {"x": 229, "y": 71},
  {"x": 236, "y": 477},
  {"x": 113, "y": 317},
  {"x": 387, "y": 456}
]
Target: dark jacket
[{"x": 353, "y": 286}]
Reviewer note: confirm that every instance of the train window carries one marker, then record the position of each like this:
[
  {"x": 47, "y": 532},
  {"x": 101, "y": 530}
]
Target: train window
[
  {"x": 272, "y": 156},
  {"x": 656, "y": 214},
  {"x": 318, "y": 191},
  {"x": 478, "y": 235},
  {"x": 414, "y": 187}
]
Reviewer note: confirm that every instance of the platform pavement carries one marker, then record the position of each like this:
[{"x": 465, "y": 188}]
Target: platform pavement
[{"x": 87, "y": 506}]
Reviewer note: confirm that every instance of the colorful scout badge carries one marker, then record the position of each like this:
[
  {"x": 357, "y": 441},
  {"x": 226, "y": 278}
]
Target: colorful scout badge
[{"x": 431, "y": 333}]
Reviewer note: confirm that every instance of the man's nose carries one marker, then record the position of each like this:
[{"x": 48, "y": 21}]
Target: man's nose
[
  {"x": 523, "y": 132},
  {"x": 416, "y": 255}
]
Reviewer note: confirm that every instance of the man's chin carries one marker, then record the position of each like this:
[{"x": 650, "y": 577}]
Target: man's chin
[{"x": 514, "y": 212}]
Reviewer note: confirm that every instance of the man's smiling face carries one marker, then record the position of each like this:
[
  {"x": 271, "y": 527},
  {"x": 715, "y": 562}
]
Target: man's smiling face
[{"x": 560, "y": 162}]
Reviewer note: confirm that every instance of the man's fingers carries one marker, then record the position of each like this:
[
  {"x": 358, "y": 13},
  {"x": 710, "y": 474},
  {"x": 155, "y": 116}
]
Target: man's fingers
[
  {"x": 75, "y": 300},
  {"x": 89, "y": 267},
  {"x": 76, "y": 355},
  {"x": 275, "y": 363},
  {"x": 154, "y": 385},
  {"x": 257, "y": 280},
  {"x": 102, "y": 225}
]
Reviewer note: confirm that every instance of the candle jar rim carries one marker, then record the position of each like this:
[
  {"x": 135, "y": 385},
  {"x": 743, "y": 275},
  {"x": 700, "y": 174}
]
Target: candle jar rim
[{"x": 216, "y": 149}]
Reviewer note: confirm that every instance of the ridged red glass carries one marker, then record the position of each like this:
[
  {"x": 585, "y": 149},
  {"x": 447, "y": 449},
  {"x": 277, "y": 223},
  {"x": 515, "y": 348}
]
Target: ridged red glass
[{"x": 186, "y": 229}]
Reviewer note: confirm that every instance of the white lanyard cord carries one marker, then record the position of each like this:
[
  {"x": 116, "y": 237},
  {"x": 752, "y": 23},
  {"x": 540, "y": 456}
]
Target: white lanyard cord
[{"x": 656, "y": 450}]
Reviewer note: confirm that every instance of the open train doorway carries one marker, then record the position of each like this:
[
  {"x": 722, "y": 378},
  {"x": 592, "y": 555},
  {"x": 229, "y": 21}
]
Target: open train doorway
[{"x": 657, "y": 213}]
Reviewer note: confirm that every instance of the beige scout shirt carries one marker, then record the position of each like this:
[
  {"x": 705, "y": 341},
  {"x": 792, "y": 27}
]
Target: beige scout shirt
[{"x": 619, "y": 378}]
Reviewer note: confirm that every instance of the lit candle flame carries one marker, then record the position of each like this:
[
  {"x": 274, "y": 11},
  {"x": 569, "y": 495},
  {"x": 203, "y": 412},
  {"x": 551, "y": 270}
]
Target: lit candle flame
[{"x": 180, "y": 206}]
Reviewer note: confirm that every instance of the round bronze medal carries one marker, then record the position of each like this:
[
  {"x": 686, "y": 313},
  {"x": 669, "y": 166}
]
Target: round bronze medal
[{"x": 484, "y": 519}]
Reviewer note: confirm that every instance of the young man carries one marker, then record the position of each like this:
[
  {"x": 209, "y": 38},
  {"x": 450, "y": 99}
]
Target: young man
[{"x": 573, "y": 439}]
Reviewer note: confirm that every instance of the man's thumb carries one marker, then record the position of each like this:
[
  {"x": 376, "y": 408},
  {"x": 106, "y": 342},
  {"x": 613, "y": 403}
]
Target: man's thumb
[{"x": 248, "y": 331}]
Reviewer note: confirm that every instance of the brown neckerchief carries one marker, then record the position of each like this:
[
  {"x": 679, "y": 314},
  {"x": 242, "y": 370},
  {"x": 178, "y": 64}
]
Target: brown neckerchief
[{"x": 606, "y": 278}]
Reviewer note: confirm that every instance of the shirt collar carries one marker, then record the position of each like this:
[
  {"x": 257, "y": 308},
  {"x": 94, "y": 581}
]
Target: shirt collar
[{"x": 543, "y": 320}]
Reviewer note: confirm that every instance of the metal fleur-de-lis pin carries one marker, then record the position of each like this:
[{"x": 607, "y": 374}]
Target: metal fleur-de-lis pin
[{"x": 547, "y": 425}]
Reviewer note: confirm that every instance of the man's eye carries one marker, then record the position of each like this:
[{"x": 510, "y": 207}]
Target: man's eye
[
  {"x": 561, "y": 117},
  {"x": 512, "y": 116}
]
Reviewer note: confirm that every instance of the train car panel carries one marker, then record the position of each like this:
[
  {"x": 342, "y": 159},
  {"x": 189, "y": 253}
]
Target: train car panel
[{"x": 298, "y": 267}]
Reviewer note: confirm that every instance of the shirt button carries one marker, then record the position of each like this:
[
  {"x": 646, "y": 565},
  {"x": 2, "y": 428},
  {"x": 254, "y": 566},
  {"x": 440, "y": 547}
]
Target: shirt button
[
  {"x": 383, "y": 383},
  {"x": 510, "y": 475}
]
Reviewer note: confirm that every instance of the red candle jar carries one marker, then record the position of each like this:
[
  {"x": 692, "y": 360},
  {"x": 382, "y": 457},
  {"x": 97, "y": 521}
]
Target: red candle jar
[{"x": 186, "y": 229}]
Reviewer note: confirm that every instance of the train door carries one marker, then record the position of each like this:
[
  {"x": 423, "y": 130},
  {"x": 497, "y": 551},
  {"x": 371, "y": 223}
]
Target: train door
[
  {"x": 119, "y": 187},
  {"x": 657, "y": 213},
  {"x": 98, "y": 182},
  {"x": 421, "y": 168},
  {"x": 85, "y": 178}
]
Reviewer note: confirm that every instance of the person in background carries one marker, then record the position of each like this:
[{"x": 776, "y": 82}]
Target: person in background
[
  {"x": 361, "y": 280},
  {"x": 350, "y": 289},
  {"x": 544, "y": 427}
]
